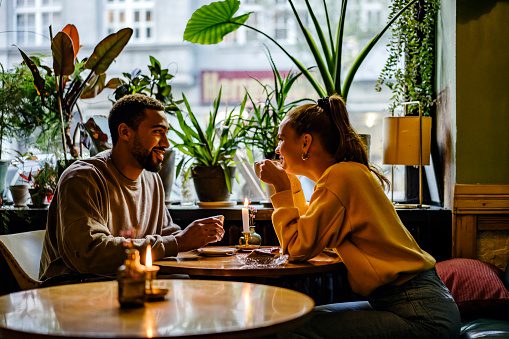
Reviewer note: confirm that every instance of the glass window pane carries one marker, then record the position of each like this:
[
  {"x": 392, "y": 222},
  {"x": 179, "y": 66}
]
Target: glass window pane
[
  {"x": 136, "y": 16},
  {"x": 149, "y": 32},
  {"x": 148, "y": 16}
]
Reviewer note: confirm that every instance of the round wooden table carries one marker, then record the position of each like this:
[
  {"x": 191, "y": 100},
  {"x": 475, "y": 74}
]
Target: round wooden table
[
  {"x": 234, "y": 266},
  {"x": 192, "y": 308}
]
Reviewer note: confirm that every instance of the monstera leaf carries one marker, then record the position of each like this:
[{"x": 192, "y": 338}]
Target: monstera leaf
[{"x": 209, "y": 24}]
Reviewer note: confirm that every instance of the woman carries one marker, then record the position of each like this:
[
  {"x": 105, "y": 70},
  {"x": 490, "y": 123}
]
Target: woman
[{"x": 350, "y": 212}]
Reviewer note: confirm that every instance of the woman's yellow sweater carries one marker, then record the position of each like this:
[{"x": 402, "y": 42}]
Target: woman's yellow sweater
[{"x": 350, "y": 212}]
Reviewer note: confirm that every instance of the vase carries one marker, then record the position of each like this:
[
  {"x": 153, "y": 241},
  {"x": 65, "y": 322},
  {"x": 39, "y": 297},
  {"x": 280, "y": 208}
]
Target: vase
[
  {"x": 167, "y": 173},
  {"x": 20, "y": 195},
  {"x": 4, "y": 166},
  {"x": 254, "y": 238}
]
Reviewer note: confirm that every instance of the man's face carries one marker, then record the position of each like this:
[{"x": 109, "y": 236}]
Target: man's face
[{"x": 150, "y": 141}]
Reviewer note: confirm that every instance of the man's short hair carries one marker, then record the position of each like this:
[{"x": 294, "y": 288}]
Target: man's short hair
[{"x": 130, "y": 110}]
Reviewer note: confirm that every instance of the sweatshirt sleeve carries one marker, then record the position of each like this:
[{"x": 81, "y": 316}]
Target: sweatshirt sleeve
[
  {"x": 85, "y": 241},
  {"x": 304, "y": 236}
]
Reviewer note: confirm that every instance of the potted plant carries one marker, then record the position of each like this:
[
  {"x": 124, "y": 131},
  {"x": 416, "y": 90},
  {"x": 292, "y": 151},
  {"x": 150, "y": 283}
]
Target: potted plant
[
  {"x": 156, "y": 84},
  {"x": 20, "y": 189},
  {"x": 75, "y": 79},
  {"x": 211, "y": 23},
  {"x": 209, "y": 152},
  {"x": 44, "y": 184},
  {"x": 22, "y": 114},
  {"x": 266, "y": 115}
]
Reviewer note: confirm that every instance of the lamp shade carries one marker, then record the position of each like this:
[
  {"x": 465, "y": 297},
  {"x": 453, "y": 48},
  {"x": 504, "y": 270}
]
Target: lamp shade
[{"x": 401, "y": 140}]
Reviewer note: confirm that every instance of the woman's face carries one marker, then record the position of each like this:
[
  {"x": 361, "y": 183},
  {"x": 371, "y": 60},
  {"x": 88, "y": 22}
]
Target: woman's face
[{"x": 290, "y": 148}]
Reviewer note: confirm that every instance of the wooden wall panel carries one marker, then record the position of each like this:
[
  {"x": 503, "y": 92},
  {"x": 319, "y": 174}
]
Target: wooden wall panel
[{"x": 475, "y": 208}]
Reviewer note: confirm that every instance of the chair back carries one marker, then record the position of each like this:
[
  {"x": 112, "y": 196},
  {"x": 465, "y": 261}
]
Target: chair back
[{"x": 22, "y": 252}]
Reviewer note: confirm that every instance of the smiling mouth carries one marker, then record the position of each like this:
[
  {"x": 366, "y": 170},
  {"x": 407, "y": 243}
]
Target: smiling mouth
[{"x": 159, "y": 154}]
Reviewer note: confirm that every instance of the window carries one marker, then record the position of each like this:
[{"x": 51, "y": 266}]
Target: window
[
  {"x": 33, "y": 17},
  {"x": 131, "y": 13}
]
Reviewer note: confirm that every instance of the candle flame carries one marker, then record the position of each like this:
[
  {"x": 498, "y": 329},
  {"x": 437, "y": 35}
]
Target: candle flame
[
  {"x": 148, "y": 257},
  {"x": 246, "y": 202}
]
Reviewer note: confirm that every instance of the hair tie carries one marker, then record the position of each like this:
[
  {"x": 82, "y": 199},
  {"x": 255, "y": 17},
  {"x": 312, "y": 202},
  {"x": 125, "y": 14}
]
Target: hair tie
[{"x": 323, "y": 103}]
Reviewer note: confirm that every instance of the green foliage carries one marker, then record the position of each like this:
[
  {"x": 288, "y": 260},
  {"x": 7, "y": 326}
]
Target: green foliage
[
  {"x": 215, "y": 145},
  {"x": 210, "y": 23},
  {"x": 45, "y": 180},
  {"x": 156, "y": 85},
  {"x": 22, "y": 112},
  {"x": 267, "y": 115},
  {"x": 409, "y": 71}
]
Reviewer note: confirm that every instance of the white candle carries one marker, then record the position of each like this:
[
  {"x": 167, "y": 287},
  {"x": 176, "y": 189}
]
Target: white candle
[{"x": 245, "y": 217}]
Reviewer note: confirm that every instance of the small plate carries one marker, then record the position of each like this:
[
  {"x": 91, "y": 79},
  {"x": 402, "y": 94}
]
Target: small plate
[
  {"x": 247, "y": 248},
  {"x": 216, "y": 252},
  {"x": 217, "y": 203}
]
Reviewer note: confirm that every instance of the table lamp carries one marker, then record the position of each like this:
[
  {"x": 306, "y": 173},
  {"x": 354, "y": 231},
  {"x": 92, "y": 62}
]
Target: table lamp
[{"x": 406, "y": 141}]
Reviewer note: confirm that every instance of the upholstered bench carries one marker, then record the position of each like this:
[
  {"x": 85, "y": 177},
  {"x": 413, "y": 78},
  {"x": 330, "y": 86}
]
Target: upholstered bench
[{"x": 482, "y": 295}]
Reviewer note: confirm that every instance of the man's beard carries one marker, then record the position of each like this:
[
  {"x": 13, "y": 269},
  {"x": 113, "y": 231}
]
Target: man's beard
[{"x": 145, "y": 157}]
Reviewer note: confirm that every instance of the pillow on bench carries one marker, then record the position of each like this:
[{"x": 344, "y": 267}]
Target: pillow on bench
[{"x": 476, "y": 287}]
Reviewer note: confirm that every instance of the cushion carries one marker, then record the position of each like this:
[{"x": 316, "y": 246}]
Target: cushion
[{"x": 476, "y": 287}]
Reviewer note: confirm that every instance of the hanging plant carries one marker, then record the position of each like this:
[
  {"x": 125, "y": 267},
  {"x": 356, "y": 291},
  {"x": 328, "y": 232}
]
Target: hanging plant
[{"x": 409, "y": 70}]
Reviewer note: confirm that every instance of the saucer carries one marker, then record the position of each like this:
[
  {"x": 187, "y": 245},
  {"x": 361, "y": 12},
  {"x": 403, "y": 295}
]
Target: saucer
[
  {"x": 216, "y": 252},
  {"x": 229, "y": 203}
]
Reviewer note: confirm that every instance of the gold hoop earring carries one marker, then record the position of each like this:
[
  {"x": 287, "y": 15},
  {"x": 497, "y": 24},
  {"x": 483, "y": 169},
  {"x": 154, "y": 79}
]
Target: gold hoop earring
[{"x": 305, "y": 156}]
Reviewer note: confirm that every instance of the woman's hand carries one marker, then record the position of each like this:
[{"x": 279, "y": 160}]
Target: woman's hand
[{"x": 272, "y": 173}]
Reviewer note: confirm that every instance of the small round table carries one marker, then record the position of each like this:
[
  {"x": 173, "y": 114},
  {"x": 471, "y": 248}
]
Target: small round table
[
  {"x": 233, "y": 266},
  {"x": 192, "y": 308}
]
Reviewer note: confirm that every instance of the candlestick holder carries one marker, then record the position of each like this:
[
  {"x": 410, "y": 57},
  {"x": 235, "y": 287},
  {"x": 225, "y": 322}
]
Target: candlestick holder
[{"x": 151, "y": 293}]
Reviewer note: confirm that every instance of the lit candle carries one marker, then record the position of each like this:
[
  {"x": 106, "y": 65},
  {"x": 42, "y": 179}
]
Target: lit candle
[
  {"x": 148, "y": 257},
  {"x": 245, "y": 217},
  {"x": 149, "y": 269}
]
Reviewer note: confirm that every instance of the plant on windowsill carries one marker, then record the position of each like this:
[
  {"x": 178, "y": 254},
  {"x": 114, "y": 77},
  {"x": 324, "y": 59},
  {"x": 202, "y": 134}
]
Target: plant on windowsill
[
  {"x": 209, "y": 153},
  {"x": 75, "y": 79},
  {"x": 44, "y": 184},
  {"x": 19, "y": 190}
]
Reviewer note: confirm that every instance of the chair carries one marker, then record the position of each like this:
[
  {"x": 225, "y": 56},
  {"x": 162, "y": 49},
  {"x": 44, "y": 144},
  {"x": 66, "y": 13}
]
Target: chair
[{"x": 22, "y": 253}]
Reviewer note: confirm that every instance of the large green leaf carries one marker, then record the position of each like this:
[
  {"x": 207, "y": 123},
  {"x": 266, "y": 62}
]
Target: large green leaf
[
  {"x": 107, "y": 50},
  {"x": 210, "y": 23},
  {"x": 63, "y": 54}
]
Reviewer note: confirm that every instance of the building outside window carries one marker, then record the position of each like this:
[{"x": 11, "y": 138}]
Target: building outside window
[
  {"x": 230, "y": 64},
  {"x": 33, "y": 18},
  {"x": 139, "y": 15}
]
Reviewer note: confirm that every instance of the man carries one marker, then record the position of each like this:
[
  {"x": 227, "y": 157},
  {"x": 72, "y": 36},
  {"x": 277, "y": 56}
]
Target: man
[{"x": 114, "y": 194}]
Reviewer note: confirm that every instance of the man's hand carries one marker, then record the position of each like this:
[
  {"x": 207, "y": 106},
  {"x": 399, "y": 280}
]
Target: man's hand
[{"x": 200, "y": 233}]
